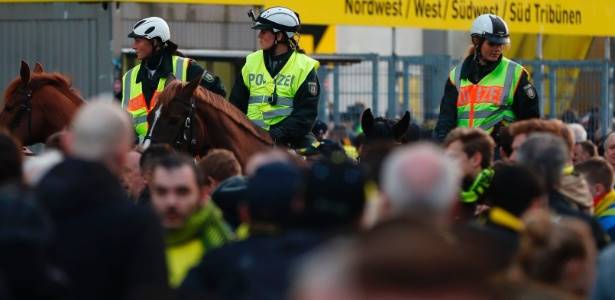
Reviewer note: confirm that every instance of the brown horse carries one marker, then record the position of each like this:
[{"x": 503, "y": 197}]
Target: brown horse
[
  {"x": 38, "y": 104},
  {"x": 195, "y": 120}
]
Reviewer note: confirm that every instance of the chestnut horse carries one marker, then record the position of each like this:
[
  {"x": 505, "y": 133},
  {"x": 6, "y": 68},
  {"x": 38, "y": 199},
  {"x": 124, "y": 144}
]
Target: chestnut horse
[
  {"x": 38, "y": 104},
  {"x": 195, "y": 120}
]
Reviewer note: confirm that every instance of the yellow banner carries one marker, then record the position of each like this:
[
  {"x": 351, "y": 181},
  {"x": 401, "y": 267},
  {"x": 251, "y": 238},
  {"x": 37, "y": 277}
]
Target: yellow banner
[
  {"x": 590, "y": 17},
  {"x": 569, "y": 17}
]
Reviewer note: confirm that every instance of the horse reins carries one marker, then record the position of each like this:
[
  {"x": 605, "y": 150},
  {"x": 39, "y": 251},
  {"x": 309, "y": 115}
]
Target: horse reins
[
  {"x": 147, "y": 139},
  {"x": 189, "y": 138}
]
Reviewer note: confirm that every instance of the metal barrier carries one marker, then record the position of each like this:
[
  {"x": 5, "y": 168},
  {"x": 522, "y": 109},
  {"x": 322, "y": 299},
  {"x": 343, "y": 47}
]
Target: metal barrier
[
  {"x": 578, "y": 91},
  {"x": 575, "y": 91}
]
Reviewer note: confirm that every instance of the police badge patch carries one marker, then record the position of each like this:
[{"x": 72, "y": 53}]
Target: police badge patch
[
  {"x": 313, "y": 88},
  {"x": 530, "y": 91},
  {"x": 208, "y": 77}
]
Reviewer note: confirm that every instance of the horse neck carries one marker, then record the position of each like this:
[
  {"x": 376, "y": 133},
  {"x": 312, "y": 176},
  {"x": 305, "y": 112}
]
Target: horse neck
[
  {"x": 58, "y": 109},
  {"x": 224, "y": 132}
]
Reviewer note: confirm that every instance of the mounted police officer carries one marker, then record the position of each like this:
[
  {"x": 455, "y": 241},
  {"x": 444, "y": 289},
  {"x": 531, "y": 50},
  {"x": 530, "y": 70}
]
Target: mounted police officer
[
  {"x": 160, "y": 63},
  {"x": 487, "y": 90},
  {"x": 278, "y": 88}
]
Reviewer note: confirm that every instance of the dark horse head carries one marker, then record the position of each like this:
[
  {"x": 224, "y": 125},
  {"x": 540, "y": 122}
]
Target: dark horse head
[
  {"x": 195, "y": 120},
  {"x": 38, "y": 104},
  {"x": 173, "y": 121},
  {"x": 384, "y": 129}
]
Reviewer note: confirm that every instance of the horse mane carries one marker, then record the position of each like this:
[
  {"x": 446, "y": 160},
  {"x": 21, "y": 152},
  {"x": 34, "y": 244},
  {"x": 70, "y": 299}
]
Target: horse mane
[
  {"x": 217, "y": 102},
  {"x": 38, "y": 80}
]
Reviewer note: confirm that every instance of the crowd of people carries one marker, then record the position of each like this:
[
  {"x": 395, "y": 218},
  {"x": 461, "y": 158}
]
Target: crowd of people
[
  {"x": 94, "y": 217},
  {"x": 498, "y": 205}
]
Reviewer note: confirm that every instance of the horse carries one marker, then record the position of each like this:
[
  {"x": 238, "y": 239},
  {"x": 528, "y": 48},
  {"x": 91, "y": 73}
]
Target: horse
[
  {"x": 195, "y": 120},
  {"x": 382, "y": 129},
  {"x": 38, "y": 104},
  {"x": 382, "y": 136}
]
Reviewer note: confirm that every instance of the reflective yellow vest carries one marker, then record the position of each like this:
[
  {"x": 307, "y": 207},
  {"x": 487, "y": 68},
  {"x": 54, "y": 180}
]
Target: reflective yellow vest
[
  {"x": 133, "y": 99},
  {"x": 263, "y": 108},
  {"x": 488, "y": 102}
]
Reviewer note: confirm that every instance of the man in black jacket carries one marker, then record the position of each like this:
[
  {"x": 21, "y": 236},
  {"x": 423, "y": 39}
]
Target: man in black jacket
[{"x": 109, "y": 247}]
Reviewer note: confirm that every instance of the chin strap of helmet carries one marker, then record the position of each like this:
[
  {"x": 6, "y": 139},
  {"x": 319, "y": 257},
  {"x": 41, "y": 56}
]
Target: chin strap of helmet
[
  {"x": 291, "y": 42},
  {"x": 157, "y": 46},
  {"x": 275, "y": 44},
  {"x": 477, "y": 54}
]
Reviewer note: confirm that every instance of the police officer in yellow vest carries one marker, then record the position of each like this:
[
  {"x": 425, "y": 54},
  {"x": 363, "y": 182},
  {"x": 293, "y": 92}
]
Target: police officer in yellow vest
[
  {"x": 486, "y": 90},
  {"x": 278, "y": 88},
  {"x": 160, "y": 62}
]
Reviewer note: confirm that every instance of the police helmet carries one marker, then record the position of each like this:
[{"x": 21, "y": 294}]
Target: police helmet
[
  {"x": 149, "y": 28},
  {"x": 278, "y": 19},
  {"x": 491, "y": 28}
]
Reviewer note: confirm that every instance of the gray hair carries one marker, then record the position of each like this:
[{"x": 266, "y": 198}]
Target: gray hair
[
  {"x": 578, "y": 131},
  {"x": 99, "y": 128},
  {"x": 420, "y": 176},
  {"x": 546, "y": 155},
  {"x": 325, "y": 269},
  {"x": 605, "y": 145}
]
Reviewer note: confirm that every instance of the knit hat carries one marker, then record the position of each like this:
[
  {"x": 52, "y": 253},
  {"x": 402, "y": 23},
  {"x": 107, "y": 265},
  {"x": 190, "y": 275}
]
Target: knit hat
[
  {"x": 271, "y": 190},
  {"x": 228, "y": 195},
  {"x": 335, "y": 194}
]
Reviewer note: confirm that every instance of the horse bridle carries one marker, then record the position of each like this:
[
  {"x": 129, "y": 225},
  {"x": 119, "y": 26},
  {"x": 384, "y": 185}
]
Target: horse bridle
[
  {"x": 186, "y": 134},
  {"x": 24, "y": 107}
]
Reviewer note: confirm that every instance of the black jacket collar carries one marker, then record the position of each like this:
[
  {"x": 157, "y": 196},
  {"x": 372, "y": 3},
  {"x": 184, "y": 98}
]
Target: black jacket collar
[
  {"x": 275, "y": 63},
  {"x": 163, "y": 70},
  {"x": 474, "y": 71}
]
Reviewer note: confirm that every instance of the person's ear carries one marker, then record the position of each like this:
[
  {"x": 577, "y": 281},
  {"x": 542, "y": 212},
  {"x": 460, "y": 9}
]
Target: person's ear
[
  {"x": 68, "y": 141},
  {"x": 599, "y": 189},
  {"x": 384, "y": 209},
  {"x": 279, "y": 36},
  {"x": 244, "y": 213},
  {"x": 503, "y": 154},
  {"x": 476, "y": 159},
  {"x": 203, "y": 195}
]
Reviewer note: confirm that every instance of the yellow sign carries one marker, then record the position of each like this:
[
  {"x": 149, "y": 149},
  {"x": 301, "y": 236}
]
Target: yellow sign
[{"x": 569, "y": 17}]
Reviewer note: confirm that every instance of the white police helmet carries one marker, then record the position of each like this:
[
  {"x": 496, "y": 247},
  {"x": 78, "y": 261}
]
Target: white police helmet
[
  {"x": 152, "y": 27},
  {"x": 492, "y": 28},
  {"x": 277, "y": 18}
]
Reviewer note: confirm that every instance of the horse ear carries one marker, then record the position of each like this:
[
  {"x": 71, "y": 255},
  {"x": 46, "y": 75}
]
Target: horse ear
[
  {"x": 24, "y": 72},
  {"x": 188, "y": 90},
  {"x": 38, "y": 68},
  {"x": 367, "y": 121},
  {"x": 400, "y": 128}
]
